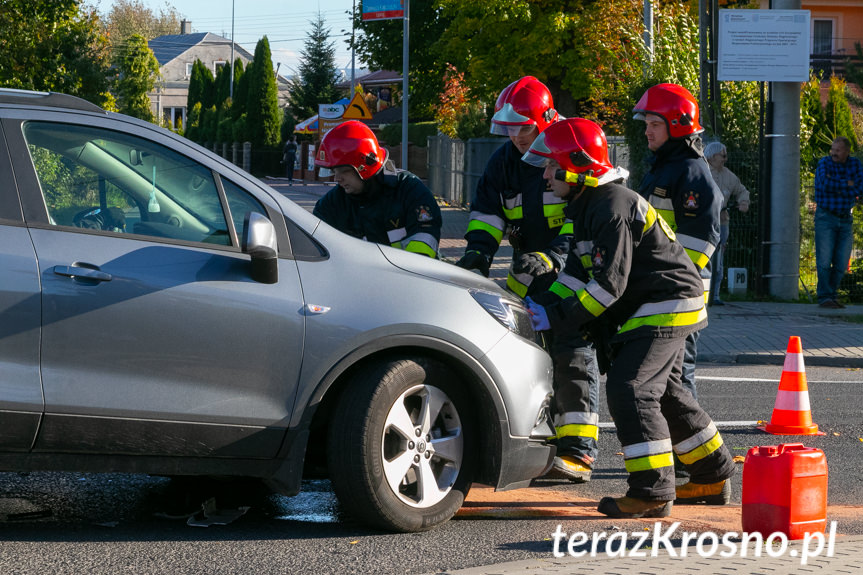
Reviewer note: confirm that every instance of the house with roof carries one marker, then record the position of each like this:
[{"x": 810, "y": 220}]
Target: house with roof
[{"x": 176, "y": 53}]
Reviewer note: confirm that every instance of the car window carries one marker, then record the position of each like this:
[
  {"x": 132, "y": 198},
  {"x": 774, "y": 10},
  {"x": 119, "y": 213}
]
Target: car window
[
  {"x": 240, "y": 203},
  {"x": 104, "y": 180}
]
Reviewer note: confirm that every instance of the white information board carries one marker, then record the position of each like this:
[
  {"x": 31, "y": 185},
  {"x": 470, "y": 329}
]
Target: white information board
[{"x": 763, "y": 45}]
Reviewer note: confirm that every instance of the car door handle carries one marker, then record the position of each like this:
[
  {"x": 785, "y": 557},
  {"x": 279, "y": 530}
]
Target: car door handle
[{"x": 82, "y": 271}]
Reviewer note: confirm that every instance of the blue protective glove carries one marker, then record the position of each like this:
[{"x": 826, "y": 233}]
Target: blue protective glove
[{"x": 538, "y": 316}]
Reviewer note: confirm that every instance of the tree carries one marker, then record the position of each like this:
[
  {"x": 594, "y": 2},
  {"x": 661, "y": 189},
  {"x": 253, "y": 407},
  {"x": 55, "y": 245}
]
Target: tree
[
  {"x": 379, "y": 44},
  {"x": 129, "y": 17},
  {"x": 54, "y": 45},
  {"x": 315, "y": 82},
  {"x": 837, "y": 112},
  {"x": 262, "y": 104},
  {"x": 200, "y": 86},
  {"x": 138, "y": 71},
  {"x": 458, "y": 115}
]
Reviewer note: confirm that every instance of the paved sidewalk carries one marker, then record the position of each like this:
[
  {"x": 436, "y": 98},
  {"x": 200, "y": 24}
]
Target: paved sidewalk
[
  {"x": 847, "y": 558},
  {"x": 738, "y": 332}
]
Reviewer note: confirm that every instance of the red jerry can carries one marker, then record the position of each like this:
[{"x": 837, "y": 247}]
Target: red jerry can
[{"x": 785, "y": 490}]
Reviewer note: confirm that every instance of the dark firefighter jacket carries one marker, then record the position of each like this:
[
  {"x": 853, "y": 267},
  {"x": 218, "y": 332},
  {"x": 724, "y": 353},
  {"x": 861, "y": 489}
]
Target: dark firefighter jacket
[
  {"x": 395, "y": 210},
  {"x": 512, "y": 192},
  {"x": 680, "y": 187},
  {"x": 625, "y": 271}
]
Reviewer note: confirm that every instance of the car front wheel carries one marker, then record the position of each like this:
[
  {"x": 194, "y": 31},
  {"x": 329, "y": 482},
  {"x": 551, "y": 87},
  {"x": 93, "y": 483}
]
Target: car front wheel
[{"x": 401, "y": 445}]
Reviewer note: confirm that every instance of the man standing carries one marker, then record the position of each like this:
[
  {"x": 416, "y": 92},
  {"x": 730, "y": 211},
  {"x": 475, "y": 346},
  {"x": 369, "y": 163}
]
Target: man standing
[
  {"x": 289, "y": 157},
  {"x": 513, "y": 198},
  {"x": 396, "y": 210},
  {"x": 679, "y": 185},
  {"x": 626, "y": 275},
  {"x": 838, "y": 185},
  {"x": 732, "y": 191}
]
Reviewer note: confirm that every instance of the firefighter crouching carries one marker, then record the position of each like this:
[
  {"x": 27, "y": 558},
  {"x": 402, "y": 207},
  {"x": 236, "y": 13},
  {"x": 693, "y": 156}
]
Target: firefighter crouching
[
  {"x": 397, "y": 210},
  {"x": 627, "y": 276},
  {"x": 513, "y": 197}
]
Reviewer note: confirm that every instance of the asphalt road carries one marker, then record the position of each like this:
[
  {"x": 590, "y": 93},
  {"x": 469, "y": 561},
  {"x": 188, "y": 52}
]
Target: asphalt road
[{"x": 110, "y": 523}]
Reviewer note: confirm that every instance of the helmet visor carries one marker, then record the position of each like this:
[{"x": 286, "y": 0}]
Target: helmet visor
[
  {"x": 510, "y": 130},
  {"x": 539, "y": 154}
]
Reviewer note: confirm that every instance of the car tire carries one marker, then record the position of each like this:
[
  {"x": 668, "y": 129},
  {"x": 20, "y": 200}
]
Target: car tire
[{"x": 402, "y": 445}]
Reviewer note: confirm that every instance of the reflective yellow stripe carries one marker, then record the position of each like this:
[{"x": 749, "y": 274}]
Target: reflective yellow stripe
[
  {"x": 561, "y": 290},
  {"x": 698, "y": 258},
  {"x": 649, "y": 462},
  {"x": 650, "y": 218},
  {"x": 589, "y": 303},
  {"x": 665, "y": 320},
  {"x": 587, "y": 262},
  {"x": 668, "y": 216},
  {"x": 421, "y": 248},
  {"x": 514, "y": 213},
  {"x": 578, "y": 430},
  {"x": 516, "y": 286},
  {"x": 702, "y": 450},
  {"x": 568, "y": 228},
  {"x": 490, "y": 229},
  {"x": 553, "y": 210}
]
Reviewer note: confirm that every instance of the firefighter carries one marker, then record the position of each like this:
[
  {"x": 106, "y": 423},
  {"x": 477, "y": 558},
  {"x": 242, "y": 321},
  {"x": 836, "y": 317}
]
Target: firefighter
[
  {"x": 513, "y": 198},
  {"x": 680, "y": 187},
  {"x": 628, "y": 280},
  {"x": 397, "y": 210}
]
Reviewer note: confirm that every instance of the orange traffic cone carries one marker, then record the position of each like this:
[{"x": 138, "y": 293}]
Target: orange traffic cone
[{"x": 791, "y": 413}]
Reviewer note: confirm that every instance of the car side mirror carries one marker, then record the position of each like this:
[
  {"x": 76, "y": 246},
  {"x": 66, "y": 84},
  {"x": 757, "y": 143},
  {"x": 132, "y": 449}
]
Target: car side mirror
[{"x": 259, "y": 241}]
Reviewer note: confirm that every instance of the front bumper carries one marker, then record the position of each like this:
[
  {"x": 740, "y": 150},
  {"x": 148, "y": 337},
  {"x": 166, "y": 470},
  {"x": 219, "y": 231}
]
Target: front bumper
[{"x": 523, "y": 459}]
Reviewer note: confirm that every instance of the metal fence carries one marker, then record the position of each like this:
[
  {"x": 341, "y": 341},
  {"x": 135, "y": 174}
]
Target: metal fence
[{"x": 745, "y": 237}]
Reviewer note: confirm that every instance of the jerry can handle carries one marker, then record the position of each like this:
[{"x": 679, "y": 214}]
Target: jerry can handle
[{"x": 784, "y": 447}]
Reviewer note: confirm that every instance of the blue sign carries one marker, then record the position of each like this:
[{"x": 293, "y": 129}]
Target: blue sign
[{"x": 383, "y": 9}]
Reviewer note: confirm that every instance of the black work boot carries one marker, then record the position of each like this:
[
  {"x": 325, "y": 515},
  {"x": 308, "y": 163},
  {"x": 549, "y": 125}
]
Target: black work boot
[{"x": 632, "y": 508}]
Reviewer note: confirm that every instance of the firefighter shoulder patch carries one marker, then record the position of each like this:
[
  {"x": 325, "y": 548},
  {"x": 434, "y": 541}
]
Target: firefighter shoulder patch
[
  {"x": 598, "y": 258},
  {"x": 424, "y": 214},
  {"x": 691, "y": 201}
]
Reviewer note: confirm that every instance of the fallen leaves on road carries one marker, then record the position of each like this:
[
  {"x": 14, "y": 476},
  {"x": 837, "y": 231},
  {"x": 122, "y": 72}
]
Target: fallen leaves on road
[{"x": 739, "y": 459}]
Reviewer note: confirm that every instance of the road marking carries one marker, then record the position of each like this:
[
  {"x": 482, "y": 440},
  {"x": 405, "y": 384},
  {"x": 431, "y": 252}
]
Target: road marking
[
  {"x": 610, "y": 424},
  {"x": 761, "y": 379}
]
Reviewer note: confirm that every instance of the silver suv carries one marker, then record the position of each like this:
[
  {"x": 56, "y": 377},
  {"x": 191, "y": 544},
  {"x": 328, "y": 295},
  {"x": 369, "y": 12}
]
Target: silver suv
[{"x": 163, "y": 312}]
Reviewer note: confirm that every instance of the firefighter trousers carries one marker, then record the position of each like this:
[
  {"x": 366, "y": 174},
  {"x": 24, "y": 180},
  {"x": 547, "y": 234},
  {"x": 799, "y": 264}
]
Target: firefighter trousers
[
  {"x": 654, "y": 414},
  {"x": 576, "y": 396}
]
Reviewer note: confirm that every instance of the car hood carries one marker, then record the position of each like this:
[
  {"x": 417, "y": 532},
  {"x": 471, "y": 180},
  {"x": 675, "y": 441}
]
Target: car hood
[{"x": 438, "y": 270}]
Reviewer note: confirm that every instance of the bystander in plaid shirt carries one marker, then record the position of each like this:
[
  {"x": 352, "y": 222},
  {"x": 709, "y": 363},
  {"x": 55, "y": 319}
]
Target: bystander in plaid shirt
[{"x": 832, "y": 191}]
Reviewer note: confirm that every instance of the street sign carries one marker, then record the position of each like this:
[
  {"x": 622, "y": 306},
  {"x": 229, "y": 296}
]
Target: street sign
[
  {"x": 383, "y": 9},
  {"x": 357, "y": 109},
  {"x": 763, "y": 45},
  {"x": 330, "y": 111}
]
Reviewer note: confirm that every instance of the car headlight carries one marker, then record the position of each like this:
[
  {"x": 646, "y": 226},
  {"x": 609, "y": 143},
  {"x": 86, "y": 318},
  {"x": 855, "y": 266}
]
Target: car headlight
[{"x": 511, "y": 313}]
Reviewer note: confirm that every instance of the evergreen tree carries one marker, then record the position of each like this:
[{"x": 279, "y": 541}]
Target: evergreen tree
[
  {"x": 138, "y": 70},
  {"x": 222, "y": 86},
  {"x": 241, "y": 91},
  {"x": 813, "y": 137},
  {"x": 262, "y": 104},
  {"x": 837, "y": 112},
  {"x": 316, "y": 80}
]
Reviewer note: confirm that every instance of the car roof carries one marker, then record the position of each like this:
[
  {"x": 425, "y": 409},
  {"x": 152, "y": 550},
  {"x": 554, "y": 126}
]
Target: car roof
[{"x": 46, "y": 99}]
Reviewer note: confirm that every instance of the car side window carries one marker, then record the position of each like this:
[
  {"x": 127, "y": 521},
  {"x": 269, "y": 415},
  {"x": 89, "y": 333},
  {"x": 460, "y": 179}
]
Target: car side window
[
  {"x": 240, "y": 203},
  {"x": 98, "y": 179}
]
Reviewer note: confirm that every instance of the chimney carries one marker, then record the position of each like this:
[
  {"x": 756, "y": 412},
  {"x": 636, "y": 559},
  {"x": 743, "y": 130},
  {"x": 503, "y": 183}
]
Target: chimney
[{"x": 185, "y": 27}]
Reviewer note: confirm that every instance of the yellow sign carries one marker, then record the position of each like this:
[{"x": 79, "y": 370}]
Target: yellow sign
[{"x": 357, "y": 109}]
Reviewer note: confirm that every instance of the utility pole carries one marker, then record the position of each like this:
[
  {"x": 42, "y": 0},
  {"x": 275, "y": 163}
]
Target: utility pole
[
  {"x": 353, "y": 49},
  {"x": 648, "y": 35},
  {"x": 231, "y": 63},
  {"x": 405, "y": 69},
  {"x": 784, "y": 243}
]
